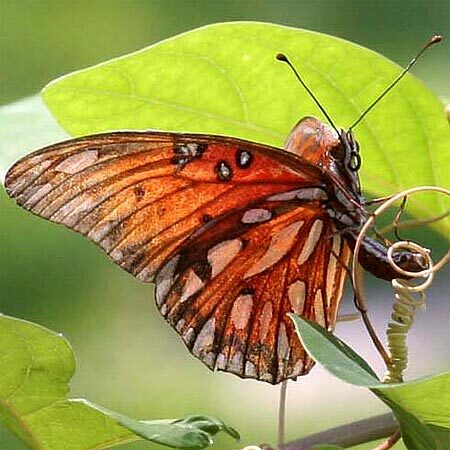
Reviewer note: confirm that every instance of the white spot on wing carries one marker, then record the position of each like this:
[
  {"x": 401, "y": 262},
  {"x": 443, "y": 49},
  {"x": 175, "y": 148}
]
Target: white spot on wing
[
  {"x": 300, "y": 194},
  {"x": 180, "y": 325},
  {"x": 77, "y": 162},
  {"x": 283, "y": 351},
  {"x": 256, "y": 215},
  {"x": 267, "y": 376},
  {"x": 318, "y": 308},
  {"x": 221, "y": 362},
  {"x": 250, "y": 369},
  {"x": 280, "y": 244},
  {"x": 222, "y": 254},
  {"x": 205, "y": 338},
  {"x": 331, "y": 269},
  {"x": 297, "y": 293},
  {"x": 298, "y": 368},
  {"x": 192, "y": 285},
  {"x": 283, "y": 343},
  {"x": 240, "y": 314},
  {"x": 236, "y": 362},
  {"x": 165, "y": 279},
  {"x": 310, "y": 242},
  {"x": 188, "y": 335},
  {"x": 209, "y": 359}
]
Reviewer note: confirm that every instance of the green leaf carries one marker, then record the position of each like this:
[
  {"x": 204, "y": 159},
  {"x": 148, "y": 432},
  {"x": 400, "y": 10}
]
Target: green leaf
[
  {"x": 25, "y": 126},
  {"x": 415, "y": 433},
  {"x": 193, "y": 432},
  {"x": 224, "y": 79},
  {"x": 333, "y": 354},
  {"x": 428, "y": 398},
  {"x": 422, "y": 407},
  {"x": 442, "y": 436},
  {"x": 37, "y": 366}
]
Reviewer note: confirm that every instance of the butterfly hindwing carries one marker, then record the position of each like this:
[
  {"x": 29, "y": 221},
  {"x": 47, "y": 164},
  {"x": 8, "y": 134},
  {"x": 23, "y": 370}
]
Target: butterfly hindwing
[{"x": 229, "y": 298}]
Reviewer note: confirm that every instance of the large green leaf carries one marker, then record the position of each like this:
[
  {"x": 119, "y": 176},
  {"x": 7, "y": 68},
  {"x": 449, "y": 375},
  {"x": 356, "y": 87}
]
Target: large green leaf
[
  {"x": 25, "y": 126},
  {"x": 422, "y": 407},
  {"x": 224, "y": 79},
  {"x": 36, "y": 367}
]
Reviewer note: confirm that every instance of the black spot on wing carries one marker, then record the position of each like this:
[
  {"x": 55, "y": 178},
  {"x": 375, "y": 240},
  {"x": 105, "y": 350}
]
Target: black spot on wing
[
  {"x": 223, "y": 170},
  {"x": 185, "y": 152},
  {"x": 244, "y": 158}
]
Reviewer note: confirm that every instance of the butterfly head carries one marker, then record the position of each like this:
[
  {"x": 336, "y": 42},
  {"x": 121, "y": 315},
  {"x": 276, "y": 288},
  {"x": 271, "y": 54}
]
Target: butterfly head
[
  {"x": 344, "y": 159},
  {"x": 336, "y": 154}
]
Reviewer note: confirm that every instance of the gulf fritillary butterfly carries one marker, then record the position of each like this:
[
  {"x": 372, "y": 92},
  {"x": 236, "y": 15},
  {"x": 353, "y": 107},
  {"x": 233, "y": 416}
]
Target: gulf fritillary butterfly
[{"x": 234, "y": 234}]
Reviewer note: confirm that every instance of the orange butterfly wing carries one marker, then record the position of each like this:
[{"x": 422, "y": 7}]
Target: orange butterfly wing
[
  {"x": 134, "y": 194},
  {"x": 177, "y": 206},
  {"x": 229, "y": 298}
]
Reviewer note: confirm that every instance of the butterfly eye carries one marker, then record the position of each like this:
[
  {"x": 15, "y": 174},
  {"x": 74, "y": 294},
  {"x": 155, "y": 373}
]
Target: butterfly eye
[{"x": 355, "y": 161}]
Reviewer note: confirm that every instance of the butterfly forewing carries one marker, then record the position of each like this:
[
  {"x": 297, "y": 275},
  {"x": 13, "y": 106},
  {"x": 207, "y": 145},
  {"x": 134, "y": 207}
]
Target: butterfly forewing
[{"x": 141, "y": 195}]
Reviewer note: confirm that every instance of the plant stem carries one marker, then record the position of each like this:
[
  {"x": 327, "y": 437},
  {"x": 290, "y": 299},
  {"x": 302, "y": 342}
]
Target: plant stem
[
  {"x": 390, "y": 441},
  {"x": 350, "y": 434},
  {"x": 282, "y": 415}
]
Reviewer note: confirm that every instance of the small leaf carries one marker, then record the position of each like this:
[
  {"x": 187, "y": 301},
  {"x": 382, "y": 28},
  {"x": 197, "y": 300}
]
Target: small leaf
[
  {"x": 333, "y": 354},
  {"x": 224, "y": 79},
  {"x": 193, "y": 432}
]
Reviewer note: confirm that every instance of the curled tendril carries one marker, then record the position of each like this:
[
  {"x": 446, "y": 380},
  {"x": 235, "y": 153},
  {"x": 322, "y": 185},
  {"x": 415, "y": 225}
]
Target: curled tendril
[{"x": 408, "y": 295}]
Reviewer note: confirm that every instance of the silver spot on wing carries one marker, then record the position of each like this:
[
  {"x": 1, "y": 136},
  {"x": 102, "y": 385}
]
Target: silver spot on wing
[
  {"x": 297, "y": 294},
  {"x": 222, "y": 254},
  {"x": 280, "y": 244},
  {"x": 310, "y": 242},
  {"x": 165, "y": 279},
  {"x": 76, "y": 163},
  {"x": 241, "y": 311}
]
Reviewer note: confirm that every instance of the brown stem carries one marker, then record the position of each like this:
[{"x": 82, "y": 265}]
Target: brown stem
[
  {"x": 390, "y": 441},
  {"x": 350, "y": 434}
]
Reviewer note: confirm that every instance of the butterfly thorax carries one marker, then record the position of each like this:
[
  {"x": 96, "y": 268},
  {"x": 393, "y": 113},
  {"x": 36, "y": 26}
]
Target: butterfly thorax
[{"x": 337, "y": 155}]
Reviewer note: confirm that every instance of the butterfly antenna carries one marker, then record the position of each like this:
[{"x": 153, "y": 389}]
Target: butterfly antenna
[
  {"x": 282, "y": 57},
  {"x": 434, "y": 40}
]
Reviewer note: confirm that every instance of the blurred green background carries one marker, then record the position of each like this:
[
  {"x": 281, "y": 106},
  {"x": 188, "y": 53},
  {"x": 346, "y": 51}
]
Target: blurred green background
[{"x": 128, "y": 359}]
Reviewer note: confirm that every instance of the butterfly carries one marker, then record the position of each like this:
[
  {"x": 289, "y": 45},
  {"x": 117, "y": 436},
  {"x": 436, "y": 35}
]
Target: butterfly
[{"x": 234, "y": 234}]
